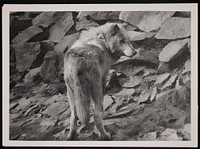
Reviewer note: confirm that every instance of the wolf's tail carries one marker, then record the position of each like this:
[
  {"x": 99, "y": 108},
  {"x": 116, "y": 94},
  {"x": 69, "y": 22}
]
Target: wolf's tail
[{"x": 82, "y": 100}]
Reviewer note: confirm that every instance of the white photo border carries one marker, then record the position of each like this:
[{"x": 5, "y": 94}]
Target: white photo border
[{"x": 192, "y": 7}]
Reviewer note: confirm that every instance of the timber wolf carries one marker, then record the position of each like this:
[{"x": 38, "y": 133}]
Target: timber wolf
[{"x": 86, "y": 66}]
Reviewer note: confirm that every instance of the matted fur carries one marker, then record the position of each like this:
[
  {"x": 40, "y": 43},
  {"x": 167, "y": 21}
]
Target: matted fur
[{"x": 86, "y": 66}]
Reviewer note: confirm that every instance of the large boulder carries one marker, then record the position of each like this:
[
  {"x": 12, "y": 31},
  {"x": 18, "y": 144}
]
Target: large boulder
[
  {"x": 173, "y": 55},
  {"x": 58, "y": 31},
  {"x": 26, "y": 53},
  {"x": 52, "y": 67},
  {"x": 174, "y": 28},
  {"x": 145, "y": 20},
  {"x": 173, "y": 50},
  {"x": 27, "y": 34}
]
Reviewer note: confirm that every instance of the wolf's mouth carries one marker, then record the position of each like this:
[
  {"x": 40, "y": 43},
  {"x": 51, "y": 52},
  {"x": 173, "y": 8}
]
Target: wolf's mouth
[{"x": 130, "y": 53}]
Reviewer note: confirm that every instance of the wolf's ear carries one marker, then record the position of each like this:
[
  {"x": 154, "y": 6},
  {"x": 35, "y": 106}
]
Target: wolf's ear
[{"x": 114, "y": 29}]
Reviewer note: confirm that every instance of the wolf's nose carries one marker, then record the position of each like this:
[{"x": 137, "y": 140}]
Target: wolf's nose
[{"x": 134, "y": 52}]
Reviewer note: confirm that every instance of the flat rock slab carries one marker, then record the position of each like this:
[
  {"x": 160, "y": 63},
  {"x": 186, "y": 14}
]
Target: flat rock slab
[
  {"x": 58, "y": 31},
  {"x": 26, "y": 53},
  {"x": 29, "y": 77},
  {"x": 148, "y": 72},
  {"x": 101, "y": 15},
  {"x": 48, "y": 122},
  {"x": 137, "y": 36},
  {"x": 56, "y": 98},
  {"x": 173, "y": 50},
  {"x": 125, "y": 92},
  {"x": 148, "y": 55},
  {"x": 144, "y": 98},
  {"x": 145, "y": 20},
  {"x": 151, "y": 136},
  {"x": 170, "y": 82},
  {"x": 133, "y": 82},
  {"x": 125, "y": 110},
  {"x": 23, "y": 103},
  {"x": 169, "y": 135},
  {"x": 27, "y": 34},
  {"x": 45, "y": 19},
  {"x": 161, "y": 79},
  {"x": 107, "y": 102},
  {"x": 174, "y": 28},
  {"x": 66, "y": 41},
  {"x": 162, "y": 98},
  {"x": 56, "y": 109}
]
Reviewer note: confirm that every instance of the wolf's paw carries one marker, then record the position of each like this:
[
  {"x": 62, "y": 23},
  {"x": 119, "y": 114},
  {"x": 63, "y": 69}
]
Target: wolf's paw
[{"x": 105, "y": 137}]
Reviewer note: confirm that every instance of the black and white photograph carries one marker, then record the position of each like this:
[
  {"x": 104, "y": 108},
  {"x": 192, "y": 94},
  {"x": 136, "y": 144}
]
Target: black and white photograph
[{"x": 101, "y": 75}]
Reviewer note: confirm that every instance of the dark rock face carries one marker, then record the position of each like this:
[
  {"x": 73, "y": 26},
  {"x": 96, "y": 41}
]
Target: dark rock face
[
  {"x": 147, "y": 95},
  {"x": 26, "y": 53},
  {"x": 51, "y": 67},
  {"x": 18, "y": 24},
  {"x": 146, "y": 21},
  {"x": 45, "y": 46},
  {"x": 61, "y": 27},
  {"x": 49, "y": 71},
  {"x": 27, "y": 34}
]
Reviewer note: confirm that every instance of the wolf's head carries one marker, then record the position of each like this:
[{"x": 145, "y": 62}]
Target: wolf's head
[
  {"x": 116, "y": 40},
  {"x": 112, "y": 36}
]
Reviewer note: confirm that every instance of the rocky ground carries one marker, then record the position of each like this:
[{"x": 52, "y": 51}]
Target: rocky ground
[{"x": 147, "y": 96}]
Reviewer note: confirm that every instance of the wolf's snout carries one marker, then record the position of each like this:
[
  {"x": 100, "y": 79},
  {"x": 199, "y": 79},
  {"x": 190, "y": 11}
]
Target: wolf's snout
[{"x": 129, "y": 51}]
